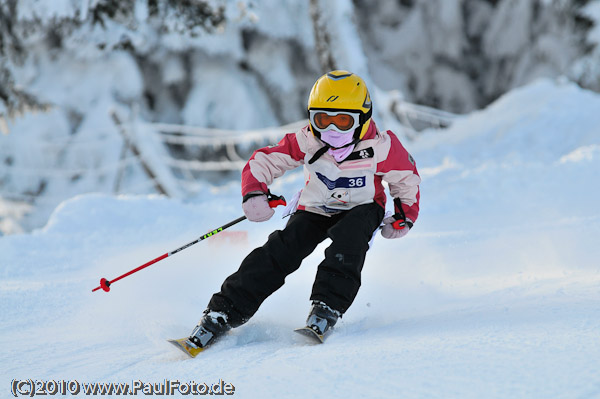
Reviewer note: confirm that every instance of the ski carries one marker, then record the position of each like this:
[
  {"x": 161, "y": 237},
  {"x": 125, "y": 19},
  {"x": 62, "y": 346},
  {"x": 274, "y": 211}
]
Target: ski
[
  {"x": 184, "y": 345},
  {"x": 312, "y": 334}
]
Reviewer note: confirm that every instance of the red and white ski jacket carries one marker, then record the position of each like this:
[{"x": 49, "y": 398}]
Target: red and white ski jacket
[{"x": 332, "y": 187}]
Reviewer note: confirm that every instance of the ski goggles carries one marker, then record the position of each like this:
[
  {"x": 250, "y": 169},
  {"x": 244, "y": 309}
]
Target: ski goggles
[{"x": 341, "y": 121}]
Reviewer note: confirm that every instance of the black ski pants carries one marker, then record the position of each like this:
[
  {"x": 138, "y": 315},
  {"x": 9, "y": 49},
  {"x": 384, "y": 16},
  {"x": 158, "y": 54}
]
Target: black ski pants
[{"x": 264, "y": 270}]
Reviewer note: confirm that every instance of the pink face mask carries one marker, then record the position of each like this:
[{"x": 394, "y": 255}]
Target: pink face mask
[{"x": 337, "y": 140}]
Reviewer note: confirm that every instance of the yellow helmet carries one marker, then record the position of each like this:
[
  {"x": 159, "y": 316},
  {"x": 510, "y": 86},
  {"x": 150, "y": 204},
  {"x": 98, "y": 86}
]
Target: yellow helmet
[{"x": 342, "y": 91}]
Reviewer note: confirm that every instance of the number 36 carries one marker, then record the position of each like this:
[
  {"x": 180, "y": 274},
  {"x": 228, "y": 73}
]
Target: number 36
[{"x": 356, "y": 182}]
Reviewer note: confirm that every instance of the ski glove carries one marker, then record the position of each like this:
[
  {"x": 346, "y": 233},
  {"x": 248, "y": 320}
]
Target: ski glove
[
  {"x": 256, "y": 207},
  {"x": 395, "y": 227}
]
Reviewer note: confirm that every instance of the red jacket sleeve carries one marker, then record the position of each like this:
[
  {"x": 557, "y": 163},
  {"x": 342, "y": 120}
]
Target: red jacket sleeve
[
  {"x": 400, "y": 171},
  {"x": 269, "y": 163}
]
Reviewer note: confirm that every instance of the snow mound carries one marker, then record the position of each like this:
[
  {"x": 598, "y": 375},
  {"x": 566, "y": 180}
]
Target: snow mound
[
  {"x": 531, "y": 154},
  {"x": 536, "y": 123}
]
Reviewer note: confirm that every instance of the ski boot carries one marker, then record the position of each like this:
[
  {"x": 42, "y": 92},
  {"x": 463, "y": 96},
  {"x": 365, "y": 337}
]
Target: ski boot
[
  {"x": 212, "y": 325},
  {"x": 321, "y": 320}
]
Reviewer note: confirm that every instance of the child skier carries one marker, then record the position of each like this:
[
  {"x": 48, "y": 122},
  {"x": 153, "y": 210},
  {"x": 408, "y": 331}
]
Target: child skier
[{"x": 345, "y": 159}]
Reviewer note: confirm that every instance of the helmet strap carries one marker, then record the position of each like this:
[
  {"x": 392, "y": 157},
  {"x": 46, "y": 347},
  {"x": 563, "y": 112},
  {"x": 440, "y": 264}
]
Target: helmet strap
[
  {"x": 318, "y": 154},
  {"x": 365, "y": 117}
]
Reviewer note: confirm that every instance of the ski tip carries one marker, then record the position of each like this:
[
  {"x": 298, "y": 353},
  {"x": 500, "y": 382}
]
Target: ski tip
[
  {"x": 310, "y": 333},
  {"x": 182, "y": 345}
]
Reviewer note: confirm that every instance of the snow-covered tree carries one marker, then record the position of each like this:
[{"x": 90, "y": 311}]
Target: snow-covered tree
[
  {"x": 249, "y": 64},
  {"x": 460, "y": 55},
  {"x": 28, "y": 27}
]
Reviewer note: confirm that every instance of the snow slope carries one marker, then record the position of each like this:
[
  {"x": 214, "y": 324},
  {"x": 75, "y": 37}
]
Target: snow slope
[{"x": 493, "y": 294}]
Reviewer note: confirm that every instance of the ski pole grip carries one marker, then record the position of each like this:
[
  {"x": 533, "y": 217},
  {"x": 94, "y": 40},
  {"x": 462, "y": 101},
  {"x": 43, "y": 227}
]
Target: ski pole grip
[
  {"x": 399, "y": 224},
  {"x": 275, "y": 200}
]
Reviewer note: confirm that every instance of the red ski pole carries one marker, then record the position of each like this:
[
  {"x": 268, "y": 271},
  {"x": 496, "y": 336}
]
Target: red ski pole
[{"x": 105, "y": 284}]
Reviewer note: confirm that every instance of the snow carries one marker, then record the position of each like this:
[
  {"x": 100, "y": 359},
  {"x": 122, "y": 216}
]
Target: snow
[
  {"x": 207, "y": 109},
  {"x": 33, "y": 9},
  {"x": 592, "y": 10},
  {"x": 493, "y": 294},
  {"x": 457, "y": 55},
  {"x": 428, "y": 49}
]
